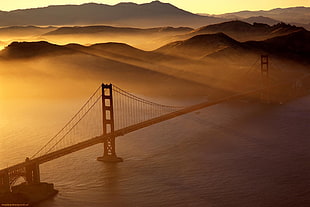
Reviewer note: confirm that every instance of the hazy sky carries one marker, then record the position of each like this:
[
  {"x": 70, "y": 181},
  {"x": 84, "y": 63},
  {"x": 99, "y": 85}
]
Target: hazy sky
[{"x": 195, "y": 6}]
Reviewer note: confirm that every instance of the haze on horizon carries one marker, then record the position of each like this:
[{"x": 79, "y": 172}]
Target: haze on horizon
[{"x": 194, "y": 6}]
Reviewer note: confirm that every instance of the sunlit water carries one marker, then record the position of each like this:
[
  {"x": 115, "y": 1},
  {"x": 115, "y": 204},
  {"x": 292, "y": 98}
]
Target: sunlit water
[{"x": 232, "y": 154}]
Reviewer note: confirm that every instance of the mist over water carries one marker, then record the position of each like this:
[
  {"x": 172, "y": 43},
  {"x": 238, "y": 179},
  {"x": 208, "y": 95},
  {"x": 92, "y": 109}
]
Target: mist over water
[
  {"x": 232, "y": 154},
  {"x": 237, "y": 153}
]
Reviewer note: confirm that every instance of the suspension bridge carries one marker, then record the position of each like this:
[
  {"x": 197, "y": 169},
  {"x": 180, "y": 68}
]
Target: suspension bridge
[{"x": 112, "y": 112}]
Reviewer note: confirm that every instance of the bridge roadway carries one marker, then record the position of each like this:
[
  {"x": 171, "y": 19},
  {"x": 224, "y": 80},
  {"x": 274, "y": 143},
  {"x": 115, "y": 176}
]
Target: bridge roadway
[{"x": 100, "y": 139}]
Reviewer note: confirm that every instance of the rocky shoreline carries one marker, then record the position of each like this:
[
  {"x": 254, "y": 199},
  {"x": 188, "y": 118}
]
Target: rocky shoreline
[{"x": 27, "y": 194}]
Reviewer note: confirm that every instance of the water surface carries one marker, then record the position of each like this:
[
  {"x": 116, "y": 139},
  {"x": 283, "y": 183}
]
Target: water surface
[{"x": 231, "y": 154}]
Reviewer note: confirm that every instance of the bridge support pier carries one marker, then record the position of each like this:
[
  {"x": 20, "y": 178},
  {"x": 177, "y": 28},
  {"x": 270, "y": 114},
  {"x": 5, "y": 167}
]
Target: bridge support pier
[
  {"x": 4, "y": 182},
  {"x": 109, "y": 154},
  {"x": 32, "y": 173}
]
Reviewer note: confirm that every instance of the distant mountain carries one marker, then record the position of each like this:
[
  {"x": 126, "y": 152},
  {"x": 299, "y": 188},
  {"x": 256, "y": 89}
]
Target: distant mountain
[
  {"x": 113, "y": 50},
  {"x": 219, "y": 40},
  {"x": 80, "y": 30},
  {"x": 294, "y": 46},
  {"x": 261, "y": 19},
  {"x": 119, "y": 51},
  {"x": 243, "y": 31},
  {"x": 299, "y": 15},
  {"x": 22, "y": 31},
  {"x": 151, "y": 14},
  {"x": 200, "y": 45},
  {"x": 306, "y": 26},
  {"x": 291, "y": 47}
]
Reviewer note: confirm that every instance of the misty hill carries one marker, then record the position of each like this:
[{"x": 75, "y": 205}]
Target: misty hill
[
  {"x": 24, "y": 30},
  {"x": 294, "y": 45},
  {"x": 34, "y": 49},
  {"x": 112, "y": 50},
  {"x": 164, "y": 63},
  {"x": 151, "y": 14},
  {"x": 219, "y": 46},
  {"x": 243, "y": 31},
  {"x": 297, "y": 43},
  {"x": 204, "y": 61},
  {"x": 119, "y": 49},
  {"x": 199, "y": 45},
  {"x": 80, "y": 30},
  {"x": 291, "y": 47},
  {"x": 143, "y": 38},
  {"x": 261, "y": 19},
  {"x": 114, "y": 56},
  {"x": 288, "y": 15},
  {"x": 102, "y": 62}
]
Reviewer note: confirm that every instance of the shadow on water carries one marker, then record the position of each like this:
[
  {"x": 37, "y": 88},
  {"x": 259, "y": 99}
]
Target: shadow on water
[
  {"x": 110, "y": 178},
  {"x": 109, "y": 181}
]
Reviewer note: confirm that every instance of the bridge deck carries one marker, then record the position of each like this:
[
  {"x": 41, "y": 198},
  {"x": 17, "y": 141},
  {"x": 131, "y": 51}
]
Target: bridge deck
[
  {"x": 120, "y": 132},
  {"x": 100, "y": 139}
]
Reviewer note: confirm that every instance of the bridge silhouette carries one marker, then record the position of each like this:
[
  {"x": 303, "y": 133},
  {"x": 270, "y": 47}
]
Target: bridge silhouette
[{"x": 111, "y": 112}]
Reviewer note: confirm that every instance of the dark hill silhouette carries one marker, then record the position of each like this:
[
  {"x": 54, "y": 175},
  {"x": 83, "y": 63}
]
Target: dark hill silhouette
[
  {"x": 237, "y": 26},
  {"x": 126, "y": 14},
  {"x": 209, "y": 58},
  {"x": 126, "y": 53},
  {"x": 297, "y": 41},
  {"x": 78, "y": 30},
  {"x": 116, "y": 51},
  {"x": 219, "y": 46},
  {"x": 104, "y": 60},
  {"x": 112, "y": 47},
  {"x": 293, "y": 47},
  {"x": 199, "y": 45},
  {"x": 243, "y": 31},
  {"x": 18, "y": 50},
  {"x": 111, "y": 56},
  {"x": 261, "y": 19},
  {"x": 119, "y": 48},
  {"x": 131, "y": 55}
]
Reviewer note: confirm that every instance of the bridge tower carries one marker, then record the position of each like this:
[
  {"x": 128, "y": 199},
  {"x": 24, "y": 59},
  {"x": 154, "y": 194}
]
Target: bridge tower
[
  {"x": 32, "y": 172},
  {"x": 265, "y": 95},
  {"x": 109, "y": 154},
  {"x": 4, "y": 182}
]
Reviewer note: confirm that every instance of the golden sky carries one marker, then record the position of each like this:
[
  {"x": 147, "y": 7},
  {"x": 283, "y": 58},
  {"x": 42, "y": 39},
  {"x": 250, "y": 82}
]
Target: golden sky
[{"x": 195, "y": 6}]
